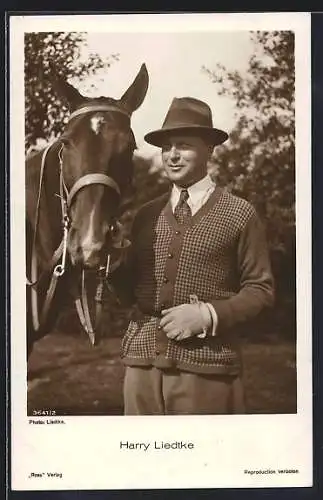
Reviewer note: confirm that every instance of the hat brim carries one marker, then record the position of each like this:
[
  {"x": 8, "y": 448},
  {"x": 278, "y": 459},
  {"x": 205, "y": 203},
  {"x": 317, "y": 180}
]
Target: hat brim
[{"x": 213, "y": 135}]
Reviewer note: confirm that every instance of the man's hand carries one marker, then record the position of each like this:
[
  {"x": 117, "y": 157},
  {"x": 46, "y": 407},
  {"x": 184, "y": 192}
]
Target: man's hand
[{"x": 186, "y": 320}]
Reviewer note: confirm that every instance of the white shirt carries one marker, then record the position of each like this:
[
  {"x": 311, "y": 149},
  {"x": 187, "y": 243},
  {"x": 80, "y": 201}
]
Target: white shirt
[{"x": 198, "y": 193}]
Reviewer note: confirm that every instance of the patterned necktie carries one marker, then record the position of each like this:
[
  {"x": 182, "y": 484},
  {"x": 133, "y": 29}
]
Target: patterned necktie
[{"x": 182, "y": 212}]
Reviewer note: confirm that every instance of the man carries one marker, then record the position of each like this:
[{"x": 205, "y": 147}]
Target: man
[{"x": 197, "y": 270}]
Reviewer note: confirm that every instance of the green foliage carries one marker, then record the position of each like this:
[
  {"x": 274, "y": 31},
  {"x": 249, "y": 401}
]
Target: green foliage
[
  {"x": 258, "y": 162},
  {"x": 45, "y": 53}
]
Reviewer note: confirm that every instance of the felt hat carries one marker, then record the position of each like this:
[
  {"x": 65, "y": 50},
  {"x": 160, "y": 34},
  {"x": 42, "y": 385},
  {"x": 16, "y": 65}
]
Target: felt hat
[{"x": 187, "y": 115}]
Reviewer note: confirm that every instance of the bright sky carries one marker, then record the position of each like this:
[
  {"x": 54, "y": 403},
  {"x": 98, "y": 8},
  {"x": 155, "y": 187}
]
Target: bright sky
[{"x": 174, "y": 62}]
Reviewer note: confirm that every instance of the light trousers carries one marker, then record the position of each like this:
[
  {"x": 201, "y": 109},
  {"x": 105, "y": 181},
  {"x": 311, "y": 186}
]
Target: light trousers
[{"x": 151, "y": 391}]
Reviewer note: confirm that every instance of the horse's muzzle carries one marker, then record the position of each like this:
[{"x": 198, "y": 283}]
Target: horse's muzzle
[
  {"x": 91, "y": 255},
  {"x": 87, "y": 254}
]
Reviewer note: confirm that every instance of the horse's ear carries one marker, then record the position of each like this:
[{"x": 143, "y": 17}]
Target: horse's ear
[
  {"x": 66, "y": 91},
  {"x": 136, "y": 93}
]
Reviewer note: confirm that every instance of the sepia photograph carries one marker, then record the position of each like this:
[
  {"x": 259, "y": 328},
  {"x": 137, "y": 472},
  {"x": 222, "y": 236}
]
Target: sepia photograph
[{"x": 165, "y": 183}]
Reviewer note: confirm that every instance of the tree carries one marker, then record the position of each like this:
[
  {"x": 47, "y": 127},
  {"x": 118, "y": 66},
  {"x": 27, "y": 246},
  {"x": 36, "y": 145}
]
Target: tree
[
  {"x": 46, "y": 53},
  {"x": 258, "y": 162}
]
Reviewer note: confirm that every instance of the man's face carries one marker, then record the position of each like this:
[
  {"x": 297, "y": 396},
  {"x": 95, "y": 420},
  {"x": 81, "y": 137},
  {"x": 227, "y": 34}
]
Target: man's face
[{"x": 185, "y": 159}]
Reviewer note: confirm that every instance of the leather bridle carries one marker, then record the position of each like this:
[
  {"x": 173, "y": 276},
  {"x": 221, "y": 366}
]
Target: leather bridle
[{"x": 58, "y": 261}]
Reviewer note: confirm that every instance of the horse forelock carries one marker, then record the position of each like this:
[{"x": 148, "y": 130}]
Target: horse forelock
[
  {"x": 97, "y": 121},
  {"x": 92, "y": 120}
]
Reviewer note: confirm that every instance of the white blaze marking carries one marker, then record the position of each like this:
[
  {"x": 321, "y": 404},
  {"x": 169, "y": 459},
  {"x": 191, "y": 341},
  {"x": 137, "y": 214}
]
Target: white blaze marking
[
  {"x": 89, "y": 244},
  {"x": 96, "y": 122},
  {"x": 89, "y": 237}
]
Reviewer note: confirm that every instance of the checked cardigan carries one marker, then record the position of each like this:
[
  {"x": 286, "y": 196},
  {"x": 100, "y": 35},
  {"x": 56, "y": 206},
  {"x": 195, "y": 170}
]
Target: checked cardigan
[{"x": 220, "y": 255}]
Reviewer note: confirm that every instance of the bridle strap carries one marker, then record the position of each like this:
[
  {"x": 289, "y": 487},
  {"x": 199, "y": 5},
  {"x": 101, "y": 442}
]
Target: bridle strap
[
  {"x": 99, "y": 107},
  {"x": 90, "y": 179}
]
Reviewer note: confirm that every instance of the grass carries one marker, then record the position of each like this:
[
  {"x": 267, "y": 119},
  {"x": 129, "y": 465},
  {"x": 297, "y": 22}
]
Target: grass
[
  {"x": 270, "y": 377},
  {"x": 69, "y": 376}
]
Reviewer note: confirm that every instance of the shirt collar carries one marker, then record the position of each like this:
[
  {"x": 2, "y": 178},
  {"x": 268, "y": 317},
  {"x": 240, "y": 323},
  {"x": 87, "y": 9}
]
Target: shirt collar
[{"x": 197, "y": 190}]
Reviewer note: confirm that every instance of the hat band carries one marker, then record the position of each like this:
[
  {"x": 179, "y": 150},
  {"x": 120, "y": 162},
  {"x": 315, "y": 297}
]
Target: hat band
[{"x": 185, "y": 125}]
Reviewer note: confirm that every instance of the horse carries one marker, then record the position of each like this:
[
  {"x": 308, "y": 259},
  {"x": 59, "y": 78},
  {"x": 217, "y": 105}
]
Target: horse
[{"x": 74, "y": 189}]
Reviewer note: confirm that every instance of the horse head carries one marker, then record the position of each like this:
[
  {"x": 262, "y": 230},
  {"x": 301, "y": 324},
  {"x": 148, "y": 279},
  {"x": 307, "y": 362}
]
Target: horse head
[{"x": 96, "y": 165}]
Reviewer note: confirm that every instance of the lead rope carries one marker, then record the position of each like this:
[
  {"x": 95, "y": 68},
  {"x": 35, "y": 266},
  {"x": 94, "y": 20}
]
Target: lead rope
[
  {"x": 82, "y": 305},
  {"x": 103, "y": 280},
  {"x": 81, "y": 302}
]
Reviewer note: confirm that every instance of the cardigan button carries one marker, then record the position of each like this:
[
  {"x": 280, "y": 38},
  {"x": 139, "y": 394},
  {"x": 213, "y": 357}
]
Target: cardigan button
[
  {"x": 170, "y": 255},
  {"x": 177, "y": 232},
  {"x": 165, "y": 280}
]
